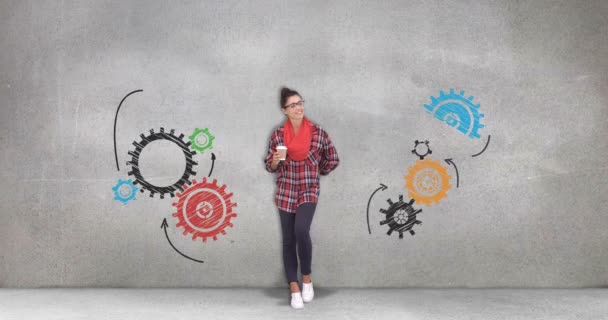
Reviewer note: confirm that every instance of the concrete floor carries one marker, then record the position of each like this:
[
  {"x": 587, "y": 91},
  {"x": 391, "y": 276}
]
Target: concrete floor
[{"x": 273, "y": 303}]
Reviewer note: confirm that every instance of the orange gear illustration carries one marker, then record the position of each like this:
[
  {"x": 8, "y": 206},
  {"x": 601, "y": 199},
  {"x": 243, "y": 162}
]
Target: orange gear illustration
[
  {"x": 427, "y": 181},
  {"x": 204, "y": 209}
]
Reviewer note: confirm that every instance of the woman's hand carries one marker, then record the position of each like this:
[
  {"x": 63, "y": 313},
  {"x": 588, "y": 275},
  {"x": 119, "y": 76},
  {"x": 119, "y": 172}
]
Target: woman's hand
[{"x": 276, "y": 158}]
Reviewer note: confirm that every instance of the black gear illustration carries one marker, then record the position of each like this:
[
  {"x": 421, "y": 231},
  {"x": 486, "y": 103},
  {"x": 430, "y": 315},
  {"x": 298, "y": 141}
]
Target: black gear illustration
[
  {"x": 428, "y": 150},
  {"x": 162, "y": 135},
  {"x": 400, "y": 216}
]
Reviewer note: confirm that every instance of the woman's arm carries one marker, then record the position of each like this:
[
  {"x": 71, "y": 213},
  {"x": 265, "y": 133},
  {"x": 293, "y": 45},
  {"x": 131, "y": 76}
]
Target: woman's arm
[
  {"x": 272, "y": 147},
  {"x": 329, "y": 156}
]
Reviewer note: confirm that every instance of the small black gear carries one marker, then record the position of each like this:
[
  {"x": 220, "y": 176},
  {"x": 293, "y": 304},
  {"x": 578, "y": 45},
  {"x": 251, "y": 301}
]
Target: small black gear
[
  {"x": 400, "y": 216},
  {"x": 162, "y": 135},
  {"x": 428, "y": 150}
]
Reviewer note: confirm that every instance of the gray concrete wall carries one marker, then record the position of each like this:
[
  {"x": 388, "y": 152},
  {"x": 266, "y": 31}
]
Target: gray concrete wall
[{"x": 530, "y": 211}]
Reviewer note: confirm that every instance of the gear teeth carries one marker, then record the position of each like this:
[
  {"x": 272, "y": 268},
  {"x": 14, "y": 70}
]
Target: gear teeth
[
  {"x": 205, "y": 227},
  {"x": 161, "y": 135},
  {"x": 131, "y": 195},
  {"x": 208, "y": 139},
  {"x": 461, "y": 113},
  {"x": 395, "y": 217},
  {"x": 437, "y": 172},
  {"x": 427, "y": 152}
]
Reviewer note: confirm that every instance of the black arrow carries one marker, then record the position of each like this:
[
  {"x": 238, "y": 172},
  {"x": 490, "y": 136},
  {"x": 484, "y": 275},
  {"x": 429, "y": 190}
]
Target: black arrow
[
  {"x": 484, "y": 148},
  {"x": 115, "y": 119},
  {"x": 449, "y": 161},
  {"x": 164, "y": 226},
  {"x": 382, "y": 187},
  {"x": 212, "y": 163}
]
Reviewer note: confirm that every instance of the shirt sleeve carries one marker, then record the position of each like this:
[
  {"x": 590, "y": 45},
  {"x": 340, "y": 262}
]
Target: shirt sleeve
[
  {"x": 272, "y": 145},
  {"x": 329, "y": 156}
]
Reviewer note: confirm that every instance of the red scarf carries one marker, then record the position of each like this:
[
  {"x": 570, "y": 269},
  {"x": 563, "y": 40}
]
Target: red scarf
[{"x": 297, "y": 145}]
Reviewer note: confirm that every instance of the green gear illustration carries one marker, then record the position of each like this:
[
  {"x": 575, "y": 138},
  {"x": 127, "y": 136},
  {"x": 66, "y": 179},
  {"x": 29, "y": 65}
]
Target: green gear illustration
[{"x": 201, "y": 139}]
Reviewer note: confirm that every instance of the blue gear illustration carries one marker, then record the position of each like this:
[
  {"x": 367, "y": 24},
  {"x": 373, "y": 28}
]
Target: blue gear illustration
[
  {"x": 196, "y": 137},
  {"x": 457, "y": 111},
  {"x": 122, "y": 196},
  {"x": 400, "y": 216}
]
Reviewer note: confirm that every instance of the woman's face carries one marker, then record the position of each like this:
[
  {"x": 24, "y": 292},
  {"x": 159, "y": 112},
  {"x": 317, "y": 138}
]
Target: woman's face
[{"x": 295, "y": 108}]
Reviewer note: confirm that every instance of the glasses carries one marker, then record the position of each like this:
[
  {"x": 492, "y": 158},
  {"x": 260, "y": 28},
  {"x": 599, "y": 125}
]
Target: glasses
[{"x": 295, "y": 104}]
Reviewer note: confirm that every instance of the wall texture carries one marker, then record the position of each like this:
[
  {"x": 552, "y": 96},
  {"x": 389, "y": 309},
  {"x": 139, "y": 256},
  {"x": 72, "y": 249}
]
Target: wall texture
[{"x": 530, "y": 211}]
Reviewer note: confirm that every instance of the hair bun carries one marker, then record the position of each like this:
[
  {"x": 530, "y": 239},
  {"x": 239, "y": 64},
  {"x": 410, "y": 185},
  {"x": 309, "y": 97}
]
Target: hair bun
[{"x": 285, "y": 94}]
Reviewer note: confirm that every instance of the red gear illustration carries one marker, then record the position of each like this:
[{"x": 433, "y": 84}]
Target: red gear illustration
[{"x": 204, "y": 209}]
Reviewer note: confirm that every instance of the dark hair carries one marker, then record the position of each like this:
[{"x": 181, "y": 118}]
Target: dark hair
[{"x": 286, "y": 93}]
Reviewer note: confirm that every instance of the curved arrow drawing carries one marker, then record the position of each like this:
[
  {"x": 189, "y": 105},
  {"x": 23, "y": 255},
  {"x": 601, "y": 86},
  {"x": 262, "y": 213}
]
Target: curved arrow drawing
[
  {"x": 484, "y": 148},
  {"x": 382, "y": 187},
  {"x": 115, "y": 119},
  {"x": 212, "y": 163},
  {"x": 164, "y": 226},
  {"x": 449, "y": 161}
]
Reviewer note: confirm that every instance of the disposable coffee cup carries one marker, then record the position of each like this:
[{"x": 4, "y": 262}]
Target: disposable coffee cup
[{"x": 282, "y": 152}]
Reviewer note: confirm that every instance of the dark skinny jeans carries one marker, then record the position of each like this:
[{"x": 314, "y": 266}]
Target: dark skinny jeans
[{"x": 296, "y": 233}]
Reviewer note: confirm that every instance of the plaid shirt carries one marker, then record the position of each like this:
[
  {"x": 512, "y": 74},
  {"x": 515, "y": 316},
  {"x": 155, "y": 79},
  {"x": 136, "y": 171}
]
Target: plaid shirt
[{"x": 298, "y": 181}]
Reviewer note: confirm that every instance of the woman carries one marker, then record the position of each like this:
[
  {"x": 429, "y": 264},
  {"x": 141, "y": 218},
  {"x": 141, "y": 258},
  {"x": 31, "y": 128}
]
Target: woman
[{"x": 310, "y": 152}]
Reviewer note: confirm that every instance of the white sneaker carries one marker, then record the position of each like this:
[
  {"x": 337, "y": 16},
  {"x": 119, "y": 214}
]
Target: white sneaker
[
  {"x": 296, "y": 300},
  {"x": 307, "y": 292}
]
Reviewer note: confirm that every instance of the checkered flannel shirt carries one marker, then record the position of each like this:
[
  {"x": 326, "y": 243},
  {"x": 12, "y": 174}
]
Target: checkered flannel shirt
[{"x": 298, "y": 181}]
